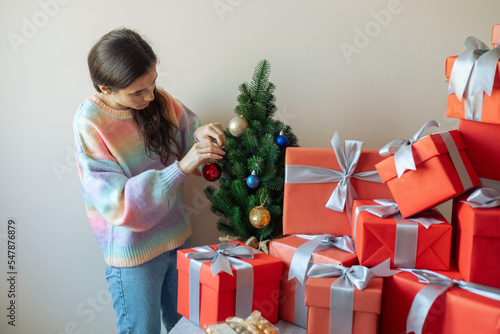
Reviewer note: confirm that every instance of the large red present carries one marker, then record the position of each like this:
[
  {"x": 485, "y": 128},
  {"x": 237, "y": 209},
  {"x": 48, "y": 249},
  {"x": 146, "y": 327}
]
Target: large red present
[
  {"x": 380, "y": 232},
  {"x": 477, "y": 221},
  {"x": 455, "y": 310},
  {"x": 442, "y": 170},
  {"x": 474, "y": 83},
  {"x": 248, "y": 280},
  {"x": 482, "y": 142},
  {"x": 292, "y": 305},
  {"x": 345, "y": 300},
  {"x": 495, "y": 35},
  {"x": 320, "y": 184}
]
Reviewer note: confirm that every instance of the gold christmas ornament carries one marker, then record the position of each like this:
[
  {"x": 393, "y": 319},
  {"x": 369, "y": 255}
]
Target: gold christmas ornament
[
  {"x": 259, "y": 217},
  {"x": 237, "y": 125}
]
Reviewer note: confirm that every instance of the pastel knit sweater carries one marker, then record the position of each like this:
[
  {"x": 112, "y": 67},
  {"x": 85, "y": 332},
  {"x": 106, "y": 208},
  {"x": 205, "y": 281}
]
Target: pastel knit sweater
[{"x": 134, "y": 203}]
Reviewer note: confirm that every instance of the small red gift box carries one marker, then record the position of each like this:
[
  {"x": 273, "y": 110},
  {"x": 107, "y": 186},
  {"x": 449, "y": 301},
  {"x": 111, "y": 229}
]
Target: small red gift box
[
  {"x": 456, "y": 311},
  {"x": 367, "y": 304},
  {"x": 345, "y": 300},
  {"x": 483, "y": 148},
  {"x": 443, "y": 171},
  {"x": 477, "y": 242},
  {"x": 217, "y": 294},
  {"x": 490, "y": 112},
  {"x": 474, "y": 88},
  {"x": 376, "y": 239},
  {"x": 304, "y": 203},
  {"x": 284, "y": 249}
]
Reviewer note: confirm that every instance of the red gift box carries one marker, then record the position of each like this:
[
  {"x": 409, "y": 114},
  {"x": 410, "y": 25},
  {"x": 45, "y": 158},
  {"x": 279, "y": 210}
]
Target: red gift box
[
  {"x": 456, "y": 311},
  {"x": 495, "y": 35},
  {"x": 304, "y": 208},
  {"x": 367, "y": 304},
  {"x": 482, "y": 142},
  {"x": 218, "y": 293},
  {"x": 375, "y": 239},
  {"x": 284, "y": 249},
  {"x": 443, "y": 171},
  {"x": 490, "y": 112},
  {"x": 477, "y": 242},
  {"x": 476, "y": 81}
]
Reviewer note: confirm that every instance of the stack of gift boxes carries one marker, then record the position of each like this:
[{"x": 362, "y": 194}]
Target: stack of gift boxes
[{"x": 365, "y": 248}]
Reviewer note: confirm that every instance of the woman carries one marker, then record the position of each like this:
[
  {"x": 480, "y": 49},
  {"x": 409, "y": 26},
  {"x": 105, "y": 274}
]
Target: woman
[{"x": 135, "y": 145}]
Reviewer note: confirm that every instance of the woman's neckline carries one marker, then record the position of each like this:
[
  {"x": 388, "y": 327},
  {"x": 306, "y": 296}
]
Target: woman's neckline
[{"x": 122, "y": 113}]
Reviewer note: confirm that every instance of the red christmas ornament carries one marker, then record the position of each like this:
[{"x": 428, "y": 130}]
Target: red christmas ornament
[{"x": 212, "y": 171}]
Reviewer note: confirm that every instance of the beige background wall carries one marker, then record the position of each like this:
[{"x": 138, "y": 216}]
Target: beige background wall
[{"x": 373, "y": 70}]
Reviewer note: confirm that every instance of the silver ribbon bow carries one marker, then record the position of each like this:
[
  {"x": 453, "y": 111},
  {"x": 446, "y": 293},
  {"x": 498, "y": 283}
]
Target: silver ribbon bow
[
  {"x": 405, "y": 250},
  {"x": 222, "y": 259},
  {"x": 342, "y": 290},
  {"x": 437, "y": 284},
  {"x": 302, "y": 257},
  {"x": 221, "y": 256},
  {"x": 403, "y": 156},
  {"x": 343, "y": 195},
  {"x": 473, "y": 73},
  {"x": 484, "y": 198},
  {"x": 301, "y": 261}
]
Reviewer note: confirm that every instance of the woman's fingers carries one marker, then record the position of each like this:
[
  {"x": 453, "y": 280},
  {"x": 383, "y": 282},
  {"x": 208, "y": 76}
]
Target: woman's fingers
[
  {"x": 210, "y": 150},
  {"x": 199, "y": 154},
  {"x": 219, "y": 134},
  {"x": 214, "y": 131}
]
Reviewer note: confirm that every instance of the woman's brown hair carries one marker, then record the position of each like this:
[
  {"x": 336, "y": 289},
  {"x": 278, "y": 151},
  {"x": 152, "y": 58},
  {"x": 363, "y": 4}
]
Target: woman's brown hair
[{"x": 116, "y": 61}]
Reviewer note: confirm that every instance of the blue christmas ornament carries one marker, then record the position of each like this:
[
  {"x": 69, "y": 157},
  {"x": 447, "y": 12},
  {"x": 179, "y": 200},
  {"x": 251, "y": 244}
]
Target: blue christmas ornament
[
  {"x": 253, "y": 180},
  {"x": 282, "y": 140}
]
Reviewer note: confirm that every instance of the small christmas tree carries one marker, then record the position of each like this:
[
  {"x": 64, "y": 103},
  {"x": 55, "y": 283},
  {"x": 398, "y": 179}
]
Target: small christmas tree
[{"x": 253, "y": 168}]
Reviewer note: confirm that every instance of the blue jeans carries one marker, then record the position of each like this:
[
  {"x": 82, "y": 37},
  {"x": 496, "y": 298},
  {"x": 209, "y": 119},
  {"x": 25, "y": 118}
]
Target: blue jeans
[{"x": 145, "y": 293}]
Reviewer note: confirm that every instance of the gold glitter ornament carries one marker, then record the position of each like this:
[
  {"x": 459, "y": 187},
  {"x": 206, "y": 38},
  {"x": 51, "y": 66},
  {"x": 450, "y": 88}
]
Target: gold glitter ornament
[
  {"x": 237, "y": 125},
  {"x": 259, "y": 217},
  {"x": 253, "y": 324}
]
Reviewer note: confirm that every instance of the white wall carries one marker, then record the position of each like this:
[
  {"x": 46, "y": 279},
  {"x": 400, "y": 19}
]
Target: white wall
[{"x": 387, "y": 89}]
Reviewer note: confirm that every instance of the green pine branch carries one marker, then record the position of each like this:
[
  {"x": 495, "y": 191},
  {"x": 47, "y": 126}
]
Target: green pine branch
[{"x": 255, "y": 150}]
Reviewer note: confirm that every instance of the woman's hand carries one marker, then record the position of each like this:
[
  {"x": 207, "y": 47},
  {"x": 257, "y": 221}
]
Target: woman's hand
[
  {"x": 211, "y": 140},
  {"x": 211, "y": 132},
  {"x": 199, "y": 154}
]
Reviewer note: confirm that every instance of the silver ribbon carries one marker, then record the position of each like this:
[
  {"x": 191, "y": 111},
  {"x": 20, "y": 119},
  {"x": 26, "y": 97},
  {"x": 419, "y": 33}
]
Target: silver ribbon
[
  {"x": 484, "y": 198},
  {"x": 342, "y": 290},
  {"x": 405, "y": 251},
  {"x": 473, "y": 73},
  {"x": 456, "y": 159},
  {"x": 403, "y": 156},
  {"x": 437, "y": 284},
  {"x": 302, "y": 257},
  {"x": 221, "y": 260},
  {"x": 301, "y": 261},
  {"x": 343, "y": 195},
  {"x": 489, "y": 183}
]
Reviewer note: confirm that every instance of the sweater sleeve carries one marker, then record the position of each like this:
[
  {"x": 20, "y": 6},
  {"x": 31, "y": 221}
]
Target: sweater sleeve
[{"x": 135, "y": 202}]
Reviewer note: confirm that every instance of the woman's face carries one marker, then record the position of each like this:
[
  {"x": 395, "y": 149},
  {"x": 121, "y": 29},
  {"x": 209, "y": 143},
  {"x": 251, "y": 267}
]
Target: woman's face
[{"x": 138, "y": 94}]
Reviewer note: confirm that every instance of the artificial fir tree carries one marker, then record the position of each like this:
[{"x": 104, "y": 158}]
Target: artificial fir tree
[{"x": 253, "y": 168}]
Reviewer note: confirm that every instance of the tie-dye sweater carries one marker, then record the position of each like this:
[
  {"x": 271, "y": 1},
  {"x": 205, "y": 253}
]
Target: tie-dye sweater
[{"x": 134, "y": 203}]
